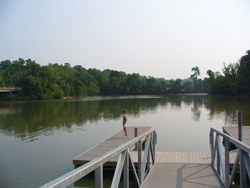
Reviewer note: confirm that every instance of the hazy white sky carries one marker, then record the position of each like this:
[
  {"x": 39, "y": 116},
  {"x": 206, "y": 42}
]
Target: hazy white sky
[{"x": 153, "y": 38}]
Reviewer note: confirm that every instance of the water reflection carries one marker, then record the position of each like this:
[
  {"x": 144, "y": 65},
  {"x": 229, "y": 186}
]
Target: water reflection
[
  {"x": 27, "y": 120},
  {"x": 229, "y": 107}
]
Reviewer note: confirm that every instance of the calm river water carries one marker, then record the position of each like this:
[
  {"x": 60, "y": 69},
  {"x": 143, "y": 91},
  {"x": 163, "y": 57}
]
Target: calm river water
[{"x": 39, "y": 139}]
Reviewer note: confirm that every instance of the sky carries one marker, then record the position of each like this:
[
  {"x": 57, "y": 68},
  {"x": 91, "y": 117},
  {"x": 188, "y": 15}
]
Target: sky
[{"x": 160, "y": 38}]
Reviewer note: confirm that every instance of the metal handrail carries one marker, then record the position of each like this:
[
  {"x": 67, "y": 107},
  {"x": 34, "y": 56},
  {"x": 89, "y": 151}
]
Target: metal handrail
[
  {"x": 124, "y": 152},
  {"x": 222, "y": 167},
  {"x": 234, "y": 141}
]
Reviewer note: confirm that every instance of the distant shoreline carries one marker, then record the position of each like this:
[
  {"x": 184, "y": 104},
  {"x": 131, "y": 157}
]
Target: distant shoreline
[{"x": 189, "y": 94}]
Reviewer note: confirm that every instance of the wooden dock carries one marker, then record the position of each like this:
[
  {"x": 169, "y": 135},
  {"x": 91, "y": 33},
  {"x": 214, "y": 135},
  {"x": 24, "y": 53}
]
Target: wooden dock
[
  {"x": 160, "y": 169},
  {"x": 183, "y": 169},
  {"x": 182, "y": 175},
  {"x": 108, "y": 145},
  {"x": 171, "y": 169},
  {"x": 201, "y": 157},
  {"x": 233, "y": 131}
]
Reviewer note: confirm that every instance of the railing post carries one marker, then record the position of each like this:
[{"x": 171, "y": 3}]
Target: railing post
[
  {"x": 140, "y": 161},
  {"x": 118, "y": 170},
  {"x": 243, "y": 180},
  {"x": 126, "y": 172},
  {"x": 218, "y": 156},
  {"x": 148, "y": 157},
  {"x": 212, "y": 144},
  {"x": 99, "y": 177},
  {"x": 154, "y": 142},
  {"x": 145, "y": 157},
  {"x": 136, "y": 134},
  {"x": 226, "y": 162},
  {"x": 154, "y": 145},
  {"x": 240, "y": 126}
]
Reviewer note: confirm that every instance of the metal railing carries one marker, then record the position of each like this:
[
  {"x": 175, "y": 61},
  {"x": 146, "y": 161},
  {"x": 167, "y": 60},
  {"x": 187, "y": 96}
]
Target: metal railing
[
  {"x": 145, "y": 163},
  {"x": 221, "y": 156}
]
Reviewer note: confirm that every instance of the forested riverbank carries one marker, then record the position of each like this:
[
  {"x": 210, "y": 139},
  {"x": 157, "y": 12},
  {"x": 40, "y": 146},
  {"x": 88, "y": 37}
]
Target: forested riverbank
[{"x": 57, "y": 81}]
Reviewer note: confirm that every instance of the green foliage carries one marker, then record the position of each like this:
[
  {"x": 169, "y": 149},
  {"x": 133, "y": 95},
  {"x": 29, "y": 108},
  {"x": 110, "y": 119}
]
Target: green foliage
[
  {"x": 197, "y": 83},
  {"x": 175, "y": 86},
  {"x": 244, "y": 73},
  {"x": 2, "y": 84},
  {"x": 235, "y": 81},
  {"x": 93, "y": 89},
  {"x": 196, "y": 73},
  {"x": 187, "y": 87},
  {"x": 151, "y": 85},
  {"x": 210, "y": 81},
  {"x": 55, "y": 81},
  {"x": 32, "y": 88},
  {"x": 65, "y": 87},
  {"x": 83, "y": 75},
  {"x": 103, "y": 82},
  {"x": 80, "y": 88}
]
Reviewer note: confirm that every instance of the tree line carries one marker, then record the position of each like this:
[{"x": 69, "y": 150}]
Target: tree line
[
  {"x": 55, "y": 81},
  {"x": 235, "y": 79}
]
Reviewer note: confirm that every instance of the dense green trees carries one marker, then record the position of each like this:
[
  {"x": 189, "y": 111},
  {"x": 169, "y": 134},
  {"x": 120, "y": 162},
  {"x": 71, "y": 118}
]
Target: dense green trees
[
  {"x": 243, "y": 76},
  {"x": 56, "y": 81},
  {"x": 197, "y": 83},
  {"x": 235, "y": 79},
  {"x": 2, "y": 84}
]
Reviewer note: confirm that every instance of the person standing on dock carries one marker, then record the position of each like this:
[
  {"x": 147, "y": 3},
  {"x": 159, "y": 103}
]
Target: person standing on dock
[{"x": 124, "y": 123}]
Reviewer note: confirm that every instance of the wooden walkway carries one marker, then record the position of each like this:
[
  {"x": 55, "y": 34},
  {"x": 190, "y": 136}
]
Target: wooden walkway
[
  {"x": 171, "y": 169},
  {"x": 184, "y": 170},
  {"x": 203, "y": 157},
  {"x": 182, "y": 175},
  {"x": 108, "y": 145},
  {"x": 233, "y": 131}
]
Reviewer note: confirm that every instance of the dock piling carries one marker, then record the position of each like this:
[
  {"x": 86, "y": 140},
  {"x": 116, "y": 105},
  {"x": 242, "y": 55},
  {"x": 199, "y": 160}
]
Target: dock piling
[
  {"x": 240, "y": 126},
  {"x": 243, "y": 181},
  {"x": 136, "y": 134}
]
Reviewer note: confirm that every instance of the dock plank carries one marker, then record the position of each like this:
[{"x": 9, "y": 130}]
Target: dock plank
[
  {"x": 182, "y": 175},
  {"x": 108, "y": 145},
  {"x": 233, "y": 131},
  {"x": 202, "y": 157}
]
